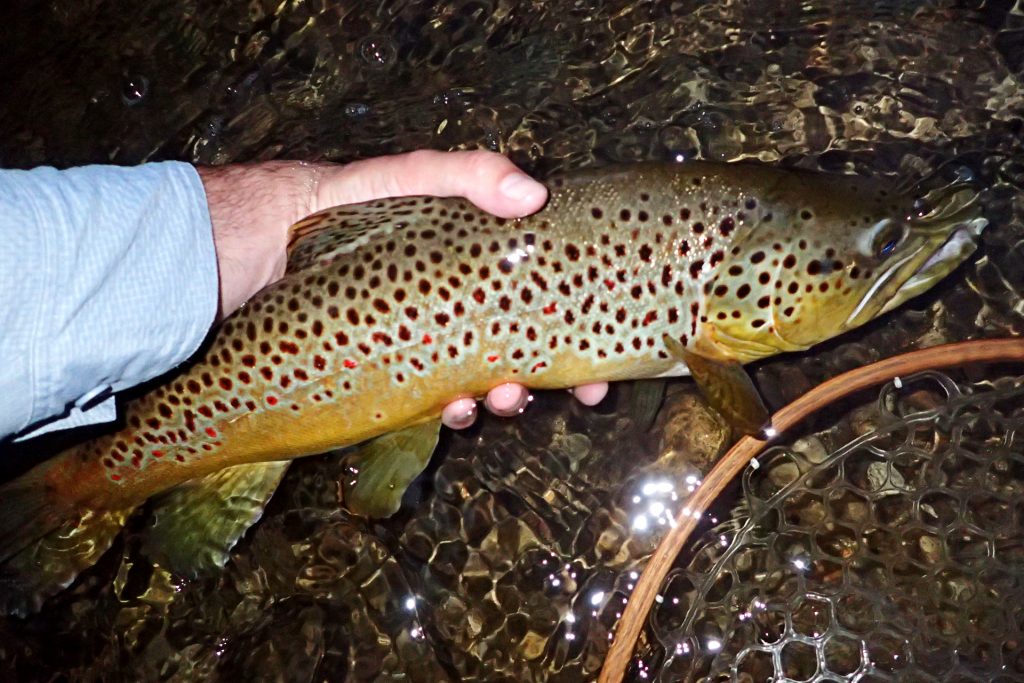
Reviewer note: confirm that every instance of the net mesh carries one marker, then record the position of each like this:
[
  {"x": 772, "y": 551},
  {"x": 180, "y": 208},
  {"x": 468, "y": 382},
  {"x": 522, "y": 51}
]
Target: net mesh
[{"x": 900, "y": 555}]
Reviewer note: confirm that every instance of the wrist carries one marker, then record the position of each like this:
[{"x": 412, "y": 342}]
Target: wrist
[{"x": 251, "y": 208}]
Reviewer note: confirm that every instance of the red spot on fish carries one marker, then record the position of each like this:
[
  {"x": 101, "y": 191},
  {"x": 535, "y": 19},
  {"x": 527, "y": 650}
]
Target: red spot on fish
[
  {"x": 115, "y": 477},
  {"x": 349, "y": 363},
  {"x": 492, "y": 358},
  {"x": 272, "y": 400},
  {"x": 538, "y": 366},
  {"x": 609, "y": 283},
  {"x": 210, "y": 431},
  {"x": 158, "y": 454},
  {"x": 550, "y": 308},
  {"x": 427, "y": 339}
]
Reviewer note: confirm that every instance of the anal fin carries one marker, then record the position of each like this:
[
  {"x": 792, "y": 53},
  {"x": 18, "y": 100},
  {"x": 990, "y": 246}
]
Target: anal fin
[
  {"x": 379, "y": 471},
  {"x": 727, "y": 387},
  {"x": 196, "y": 524}
]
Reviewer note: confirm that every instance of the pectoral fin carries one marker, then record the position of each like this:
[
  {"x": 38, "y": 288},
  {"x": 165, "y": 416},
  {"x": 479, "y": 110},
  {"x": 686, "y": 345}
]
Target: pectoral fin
[
  {"x": 645, "y": 402},
  {"x": 727, "y": 387},
  {"x": 196, "y": 524},
  {"x": 381, "y": 470}
]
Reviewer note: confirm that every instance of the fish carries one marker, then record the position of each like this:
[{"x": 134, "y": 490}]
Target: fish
[{"x": 391, "y": 309}]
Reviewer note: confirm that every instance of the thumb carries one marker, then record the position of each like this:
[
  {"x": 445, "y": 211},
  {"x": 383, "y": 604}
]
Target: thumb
[{"x": 487, "y": 179}]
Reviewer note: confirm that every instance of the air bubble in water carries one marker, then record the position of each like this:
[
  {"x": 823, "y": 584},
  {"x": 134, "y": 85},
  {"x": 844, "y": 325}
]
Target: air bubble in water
[
  {"x": 378, "y": 52},
  {"x": 134, "y": 88}
]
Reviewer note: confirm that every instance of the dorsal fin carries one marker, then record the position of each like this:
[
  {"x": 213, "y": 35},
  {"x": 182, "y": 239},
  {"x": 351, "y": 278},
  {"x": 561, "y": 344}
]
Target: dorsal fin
[{"x": 342, "y": 229}]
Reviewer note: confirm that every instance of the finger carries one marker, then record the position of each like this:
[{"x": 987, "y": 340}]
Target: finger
[
  {"x": 591, "y": 394},
  {"x": 459, "y": 414},
  {"x": 487, "y": 179},
  {"x": 507, "y": 399}
]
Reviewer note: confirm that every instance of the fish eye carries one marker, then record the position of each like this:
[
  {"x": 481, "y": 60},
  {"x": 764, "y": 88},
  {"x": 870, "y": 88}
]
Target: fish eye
[{"x": 888, "y": 239}]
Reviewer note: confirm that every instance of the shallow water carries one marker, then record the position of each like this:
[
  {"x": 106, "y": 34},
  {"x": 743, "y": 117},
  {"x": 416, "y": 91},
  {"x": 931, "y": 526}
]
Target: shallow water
[{"x": 512, "y": 559}]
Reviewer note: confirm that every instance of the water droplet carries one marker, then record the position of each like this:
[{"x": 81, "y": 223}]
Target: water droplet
[
  {"x": 134, "y": 88},
  {"x": 964, "y": 174},
  {"x": 922, "y": 207},
  {"x": 492, "y": 140},
  {"x": 378, "y": 52},
  {"x": 214, "y": 126}
]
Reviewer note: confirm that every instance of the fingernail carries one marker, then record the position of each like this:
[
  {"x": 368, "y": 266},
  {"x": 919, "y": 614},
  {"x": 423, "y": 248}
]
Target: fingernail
[{"x": 519, "y": 186}]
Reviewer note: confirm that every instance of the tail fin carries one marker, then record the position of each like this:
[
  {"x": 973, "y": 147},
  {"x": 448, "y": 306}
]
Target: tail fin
[{"x": 45, "y": 543}]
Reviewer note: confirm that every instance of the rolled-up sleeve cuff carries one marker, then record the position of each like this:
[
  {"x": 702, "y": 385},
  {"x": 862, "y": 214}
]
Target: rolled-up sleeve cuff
[{"x": 129, "y": 284}]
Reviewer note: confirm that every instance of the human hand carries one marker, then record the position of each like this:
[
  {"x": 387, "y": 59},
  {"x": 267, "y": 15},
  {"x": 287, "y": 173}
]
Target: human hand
[
  {"x": 510, "y": 399},
  {"x": 252, "y": 206}
]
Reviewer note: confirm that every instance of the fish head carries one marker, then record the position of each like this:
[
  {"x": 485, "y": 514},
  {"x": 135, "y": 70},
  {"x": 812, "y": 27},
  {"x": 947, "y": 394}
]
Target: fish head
[{"x": 846, "y": 252}]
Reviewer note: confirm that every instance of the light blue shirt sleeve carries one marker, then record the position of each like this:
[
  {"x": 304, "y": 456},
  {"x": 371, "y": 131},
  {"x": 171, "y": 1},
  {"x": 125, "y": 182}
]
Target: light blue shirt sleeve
[{"x": 108, "y": 278}]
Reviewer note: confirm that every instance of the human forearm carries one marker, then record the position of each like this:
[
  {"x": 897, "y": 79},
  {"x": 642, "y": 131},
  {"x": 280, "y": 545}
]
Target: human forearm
[
  {"x": 108, "y": 279},
  {"x": 251, "y": 207}
]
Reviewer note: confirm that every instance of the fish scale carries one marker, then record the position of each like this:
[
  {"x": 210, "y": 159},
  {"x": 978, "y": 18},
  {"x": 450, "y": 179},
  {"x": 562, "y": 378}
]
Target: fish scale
[{"x": 393, "y": 308}]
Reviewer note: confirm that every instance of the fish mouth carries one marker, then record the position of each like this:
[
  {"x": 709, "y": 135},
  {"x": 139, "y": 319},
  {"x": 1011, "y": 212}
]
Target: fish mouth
[
  {"x": 916, "y": 275},
  {"x": 951, "y": 253}
]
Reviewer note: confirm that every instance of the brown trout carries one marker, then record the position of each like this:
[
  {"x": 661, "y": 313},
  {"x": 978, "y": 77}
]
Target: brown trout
[{"x": 393, "y": 308}]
